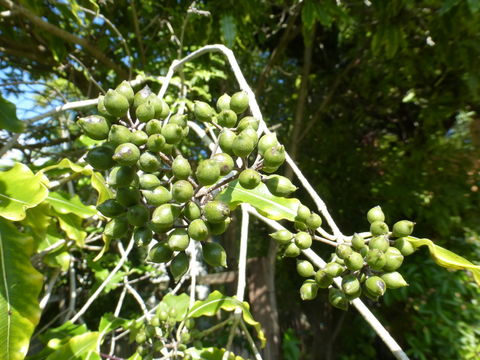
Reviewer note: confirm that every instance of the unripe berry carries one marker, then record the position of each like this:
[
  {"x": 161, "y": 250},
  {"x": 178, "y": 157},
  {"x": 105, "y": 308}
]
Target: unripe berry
[
  {"x": 303, "y": 240},
  {"x": 141, "y": 96},
  {"x": 358, "y": 242},
  {"x": 182, "y": 191},
  {"x": 225, "y": 162},
  {"x": 337, "y": 298},
  {"x": 354, "y": 261},
  {"x": 115, "y": 103},
  {"x": 308, "y": 290},
  {"x": 119, "y": 134},
  {"x": 216, "y": 211},
  {"x": 181, "y": 168},
  {"x": 165, "y": 215},
  {"x": 145, "y": 112},
  {"x": 138, "y": 215},
  {"x": 192, "y": 211},
  {"x": 179, "y": 265},
  {"x": 116, "y": 228},
  {"x": 314, "y": 221},
  {"x": 125, "y": 89},
  {"x": 303, "y": 213},
  {"x": 249, "y": 179},
  {"x": 111, "y": 208},
  {"x": 128, "y": 196},
  {"x": 323, "y": 279},
  {"x": 95, "y": 126},
  {"x": 214, "y": 254},
  {"x": 172, "y": 133},
  {"x": 394, "y": 280},
  {"x": 149, "y": 181},
  {"x": 378, "y": 228},
  {"x": 376, "y": 286},
  {"x": 305, "y": 268},
  {"x": 292, "y": 250},
  {"x": 154, "y": 126},
  {"x": 158, "y": 196},
  {"x": 379, "y": 242},
  {"x": 375, "y": 214},
  {"x": 274, "y": 156},
  {"x": 405, "y": 246},
  {"x": 248, "y": 122},
  {"x": 139, "y": 137},
  {"x": 267, "y": 141},
  {"x": 242, "y": 145},
  {"x": 343, "y": 250},
  {"x": 376, "y": 259},
  {"x": 100, "y": 158},
  {"x": 223, "y": 103},
  {"x": 334, "y": 269},
  {"x": 149, "y": 162},
  {"x": 178, "y": 240},
  {"x": 126, "y": 154},
  {"x": 203, "y": 111},
  {"x": 142, "y": 236},
  {"x": 394, "y": 259},
  {"x": 198, "y": 230},
  {"x": 121, "y": 176},
  {"x": 239, "y": 102},
  {"x": 402, "y": 228},
  {"x": 226, "y": 139},
  {"x": 219, "y": 228},
  {"x": 280, "y": 185},
  {"x": 208, "y": 172},
  {"x": 227, "y": 118},
  {"x": 350, "y": 285},
  {"x": 282, "y": 236},
  {"x": 160, "y": 253}
]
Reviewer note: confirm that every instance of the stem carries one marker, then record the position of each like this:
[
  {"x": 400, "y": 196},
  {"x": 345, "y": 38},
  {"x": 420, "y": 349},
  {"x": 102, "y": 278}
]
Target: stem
[{"x": 250, "y": 341}]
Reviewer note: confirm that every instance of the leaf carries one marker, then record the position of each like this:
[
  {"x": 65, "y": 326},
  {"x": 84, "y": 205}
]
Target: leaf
[
  {"x": 98, "y": 182},
  {"x": 37, "y": 221},
  {"x": 72, "y": 225},
  {"x": 211, "y": 353},
  {"x": 309, "y": 14},
  {"x": 8, "y": 117},
  {"x": 217, "y": 301},
  {"x": 20, "y": 285},
  {"x": 63, "y": 204},
  {"x": 20, "y": 190},
  {"x": 178, "y": 302},
  {"x": 229, "y": 29},
  {"x": 273, "y": 207},
  {"x": 66, "y": 330},
  {"x": 447, "y": 258},
  {"x": 80, "y": 347}
]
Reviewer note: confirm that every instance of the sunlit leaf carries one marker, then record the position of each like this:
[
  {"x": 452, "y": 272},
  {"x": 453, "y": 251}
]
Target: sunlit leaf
[
  {"x": 72, "y": 225},
  {"x": 229, "y": 29},
  {"x": 64, "y": 204},
  {"x": 8, "y": 117},
  {"x": 211, "y": 353},
  {"x": 179, "y": 303},
  {"x": 80, "y": 347},
  {"x": 20, "y": 190}
]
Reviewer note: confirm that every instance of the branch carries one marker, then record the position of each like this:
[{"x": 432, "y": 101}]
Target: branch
[
  {"x": 98, "y": 54},
  {"x": 137, "y": 34}
]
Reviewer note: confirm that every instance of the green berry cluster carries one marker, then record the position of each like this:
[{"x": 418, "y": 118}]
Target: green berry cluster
[
  {"x": 161, "y": 194},
  {"x": 367, "y": 266}
]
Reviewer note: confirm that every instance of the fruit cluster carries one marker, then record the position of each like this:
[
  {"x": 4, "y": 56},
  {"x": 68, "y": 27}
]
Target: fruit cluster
[
  {"x": 161, "y": 194},
  {"x": 366, "y": 266}
]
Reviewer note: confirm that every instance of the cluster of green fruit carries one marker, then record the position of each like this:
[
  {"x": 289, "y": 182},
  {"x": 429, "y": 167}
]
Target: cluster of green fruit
[
  {"x": 157, "y": 190},
  {"x": 152, "y": 335},
  {"x": 366, "y": 266}
]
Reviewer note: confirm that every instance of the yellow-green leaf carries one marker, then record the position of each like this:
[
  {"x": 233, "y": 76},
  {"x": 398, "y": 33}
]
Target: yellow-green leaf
[
  {"x": 217, "y": 301},
  {"x": 211, "y": 353},
  {"x": 446, "y": 258},
  {"x": 72, "y": 225},
  {"x": 80, "y": 347},
  {"x": 64, "y": 204},
  {"x": 20, "y": 286},
  {"x": 273, "y": 207},
  {"x": 20, "y": 190},
  {"x": 8, "y": 117}
]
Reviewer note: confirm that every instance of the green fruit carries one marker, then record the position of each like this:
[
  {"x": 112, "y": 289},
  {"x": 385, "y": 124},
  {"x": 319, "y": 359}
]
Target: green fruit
[
  {"x": 379, "y": 242},
  {"x": 119, "y": 134},
  {"x": 95, "y": 126},
  {"x": 154, "y": 126},
  {"x": 121, "y": 176},
  {"x": 142, "y": 235},
  {"x": 394, "y": 280},
  {"x": 300, "y": 226},
  {"x": 303, "y": 213},
  {"x": 214, "y": 254},
  {"x": 223, "y": 103},
  {"x": 165, "y": 215},
  {"x": 270, "y": 169},
  {"x": 358, "y": 242},
  {"x": 140, "y": 338},
  {"x": 198, "y": 230},
  {"x": 208, "y": 172},
  {"x": 156, "y": 143},
  {"x": 402, "y": 228},
  {"x": 125, "y": 89},
  {"x": 226, "y": 139},
  {"x": 375, "y": 285},
  {"x": 216, "y": 211},
  {"x": 337, "y": 298},
  {"x": 203, "y": 111},
  {"x": 364, "y": 250},
  {"x": 354, "y": 261},
  {"x": 280, "y": 185},
  {"x": 303, "y": 240},
  {"x": 145, "y": 112},
  {"x": 225, "y": 162},
  {"x": 100, "y": 158},
  {"x": 149, "y": 181},
  {"x": 182, "y": 191},
  {"x": 305, "y": 268},
  {"x": 158, "y": 196},
  {"x": 239, "y": 102},
  {"x": 227, "y": 118},
  {"x": 115, "y": 103},
  {"x": 101, "y": 107},
  {"x": 141, "y": 96},
  {"x": 179, "y": 119},
  {"x": 160, "y": 107},
  {"x": 376, "y": 259},
  {"x": 350, "y": 285},
  {"x": 292, "y": 250},
  {"x": 334, "y": 269},
  {"x": 138, "y": 215},
  {"x": 405, "y": 246},
  {"x": 116, "y": 228},
  {"x": 126, "y": 154},
  {"x": 111, "y": 208},
  {"x": 378, "y": 228},
  {"x": 242, "y": 145},
  {"x": 181, "y": 168},
  {"x": 219, "y": 228},
  {"x": 323, "y": 279},
  {"x": 394, "y": 259},
  {"x": 375, "y": 214},
  {"x": 172, "y": 133},
  {"x": 192, "y": 211},
  {"x": 249, "y": 179},
  {"x": 248, "y": 122},
  {"x": 314, "y": 221},
  {"x": 267, "y": 141},
  {"x": 178, "y": 240},
  {"x": 179, "y": 265},
  {"x": 343, "y": 250},
  {"x": 251, "y": 133},
  {"x": 128, "y": 196},
  {"x": 149, "y": 162},
  {"x": 282, "y": 236},
  {"x": 274, "y": 156},
  {"x": 308, "y": 290},
  {"x": 354, "y": 295},
  {"x": 139, "y": 137}
]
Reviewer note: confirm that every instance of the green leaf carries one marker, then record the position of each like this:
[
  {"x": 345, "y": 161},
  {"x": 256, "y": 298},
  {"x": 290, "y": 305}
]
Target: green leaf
[
  {"x": 64, "y": 331},
  {"x": 217, "y": 301},
  {"x": 211, "y": 353},
  {"x": 64, "y": 204},
  {"x": 229, "y": 29},
  {"x": 36, "y": 223},
  {"x": 98, "y": 182},
  {"x": 446, "y": 258},
  {"x": 80, "y": 347},
  {"x": 309, "y": 14},
  {"x": 72, "y": 225},
  {"x": 20, "y": 190},
  {"x": 273, "y": 207},
  {"x": 178, "y": 302},
  {"x": 8, "y": 116},
  {"x": 20, "y": 285}
]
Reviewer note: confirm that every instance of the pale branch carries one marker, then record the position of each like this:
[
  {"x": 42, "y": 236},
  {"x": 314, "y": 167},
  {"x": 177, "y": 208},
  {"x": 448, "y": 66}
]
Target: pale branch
[
  {"x": 242, "y": 257},
  {"x": 49, "y": 289},
  {"x": 250, "y": 341},
  {"x": 193, "y": 271},
  {"x": 110, "y": 276},
  {"x": 137, "y": 297},
  {"x": 116, "y": 313}
]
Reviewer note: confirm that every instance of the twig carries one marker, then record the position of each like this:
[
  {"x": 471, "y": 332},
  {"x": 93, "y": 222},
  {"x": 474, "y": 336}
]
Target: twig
[
  {"x": 105, "y": 282},
  {"x": 242, "y": 261},
  {"x": 137, "y": 297},
  {"x": 250, "y": 341},
  {"x": 118, "y": 308},
  {"x": 73, "y": 291},
  {"x": 48, "y": 292}
]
